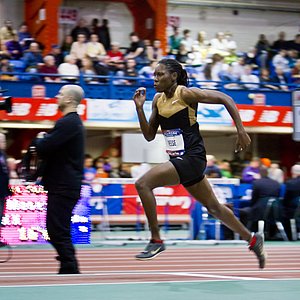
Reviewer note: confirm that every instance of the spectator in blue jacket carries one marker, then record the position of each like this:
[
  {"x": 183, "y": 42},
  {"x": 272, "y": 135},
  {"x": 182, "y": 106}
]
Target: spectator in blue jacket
[{"x": 252, "y": 171}]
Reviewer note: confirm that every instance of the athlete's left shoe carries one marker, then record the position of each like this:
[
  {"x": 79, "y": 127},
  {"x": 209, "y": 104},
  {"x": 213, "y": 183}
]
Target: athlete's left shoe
[
  {"x": 151, "y": 251},
  {"x": 256, "y": 245}
]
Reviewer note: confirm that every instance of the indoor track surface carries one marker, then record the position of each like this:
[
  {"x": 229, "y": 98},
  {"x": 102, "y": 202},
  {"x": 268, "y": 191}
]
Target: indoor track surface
[{"x": 181, "y": 272}]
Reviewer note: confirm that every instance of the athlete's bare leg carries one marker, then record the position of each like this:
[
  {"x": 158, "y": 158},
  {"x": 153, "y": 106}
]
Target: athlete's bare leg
[
  {"x": 161, "y": 175},
  {"x": 203, "y": 193}
]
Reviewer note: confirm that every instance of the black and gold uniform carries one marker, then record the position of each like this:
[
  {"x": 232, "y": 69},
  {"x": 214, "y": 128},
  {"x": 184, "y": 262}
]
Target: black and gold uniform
[{"x": 178, "y": 122}]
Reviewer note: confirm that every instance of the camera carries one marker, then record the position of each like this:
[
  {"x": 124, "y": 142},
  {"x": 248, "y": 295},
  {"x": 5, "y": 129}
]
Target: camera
[{"x": 6, "y": 103}]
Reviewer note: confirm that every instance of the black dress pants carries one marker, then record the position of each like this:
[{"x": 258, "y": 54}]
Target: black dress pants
[{"x": 59, "y": 213}]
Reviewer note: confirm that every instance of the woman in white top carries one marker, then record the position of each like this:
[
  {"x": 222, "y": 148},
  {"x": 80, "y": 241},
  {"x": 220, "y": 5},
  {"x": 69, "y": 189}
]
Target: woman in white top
[{"x": 69, "y": 69}]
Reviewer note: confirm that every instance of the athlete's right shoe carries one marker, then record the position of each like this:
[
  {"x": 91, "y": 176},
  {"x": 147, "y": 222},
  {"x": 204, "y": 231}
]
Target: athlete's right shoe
[
  {"x": 151, "y": 251},
  {"x": 256, "y": 245}
]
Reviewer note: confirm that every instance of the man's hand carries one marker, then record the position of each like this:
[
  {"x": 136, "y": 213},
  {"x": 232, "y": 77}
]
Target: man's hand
[{"x": 41, "y": 134}]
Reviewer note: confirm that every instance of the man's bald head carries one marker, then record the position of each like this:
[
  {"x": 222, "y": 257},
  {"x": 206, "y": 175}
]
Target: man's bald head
[{"x": 74, "y": 91}]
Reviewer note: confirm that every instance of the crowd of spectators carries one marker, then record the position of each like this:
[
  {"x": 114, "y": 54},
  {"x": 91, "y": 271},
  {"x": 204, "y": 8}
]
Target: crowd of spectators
[{"x": 88, "y": 50}]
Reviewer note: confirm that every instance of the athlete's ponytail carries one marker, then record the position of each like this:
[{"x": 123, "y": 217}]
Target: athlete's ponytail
[{"x": 173, "y": 65}]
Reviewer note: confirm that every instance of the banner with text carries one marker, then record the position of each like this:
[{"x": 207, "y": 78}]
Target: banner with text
[{"x": 29, "y": 109}]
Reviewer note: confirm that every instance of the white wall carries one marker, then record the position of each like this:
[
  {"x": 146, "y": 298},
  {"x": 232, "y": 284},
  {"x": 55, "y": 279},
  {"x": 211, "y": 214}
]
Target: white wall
[{"x": 12, "y": 10}]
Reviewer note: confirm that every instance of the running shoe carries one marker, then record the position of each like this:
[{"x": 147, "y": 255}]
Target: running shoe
[
  {"x": 151, "y": 250},
  {"x": 256, "y": 245}
]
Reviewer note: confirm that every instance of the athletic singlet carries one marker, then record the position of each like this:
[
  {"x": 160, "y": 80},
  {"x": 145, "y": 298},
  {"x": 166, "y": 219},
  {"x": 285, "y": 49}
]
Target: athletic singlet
[{"x": 178, "y": 122}]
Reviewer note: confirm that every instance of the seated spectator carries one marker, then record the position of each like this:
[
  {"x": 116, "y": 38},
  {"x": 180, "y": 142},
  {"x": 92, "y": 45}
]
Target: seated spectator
[
  {"x": 296, "y": 72},
  {"x": 182, "y": 55},
  {"x": 292, "y": 56},
  {"x": 195, "y": 56},
  {"x": 79, "y": 49},
  {"x": 148, "y": 49},
  {"x": 124, "y": 171},
  {"x": 250, "y": 81},
  {"x": 24, "y": 36},
  {"x": 280, "y": 43},
  {"x": 4, "y": 53},
  {"x": 69, "y": 69},
  {"x": 174, "y": 41},
  {"x": 136, "y": 50},
  {"x": 87, "y": 68},
  {"x": 7, "y": 32},
  {"x": 95, "y": 50},
  {"x": 104, "y": 34},
  {"x": 116, "y": 57},
  {"x": 204, "y": 44},
  {"x": 32, "y": 58},
  {"x": 281, "y": 78},
  {"x": 6, "y": 67},
  {"x": 262, "y": 48},
  {"x": 57, "y": 54},
  {"x": 250, "y": 58},
  {"x": 252, "y": 171},
  {"x": 238, "y": 68},
  {"x": 148, "y": 71},
  {"x": 66, "y": 45},
  {"x": 295, "y": 44},
  {"x": 219, "y": 45},
  {"x": 274, "y": 172},
  {"x": 94, "y": 26},
  {"x": 230, "y": 43},
  {"x": 280, "y": 60},
  {"x": 262, "y": 188},
  {"x": 80, "y": 28},
  {"x": 14, "y": 48},
  {"x": 129, "y": 71},
  {"x": 266, "y": 81},
  {"x": 212, "y": 170},
  {"x": 231, "y": 57},
  {"x": 213, "y": 69},
  {"x": 89, "y": 171},
  {"x": 101, "y": 171},
  {"x": 103, "y": 68},
  {"x": 225, "y": 169},
  {"x": 187, "y": 40},
  {"x": 115, "y": 53},
  {"x": 114, "y": 157},
  {"x": 49, "y": 67},
  {"x": 155, "y": 52}
]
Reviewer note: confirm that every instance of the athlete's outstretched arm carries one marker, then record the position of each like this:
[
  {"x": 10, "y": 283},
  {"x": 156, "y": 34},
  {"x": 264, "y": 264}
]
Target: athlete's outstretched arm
[
  {"x": 196, "y": 95},
  {"x": 149, "y": 129}
]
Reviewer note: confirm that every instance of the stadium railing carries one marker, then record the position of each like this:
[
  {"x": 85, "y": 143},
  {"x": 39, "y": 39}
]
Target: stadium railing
[{"x": 113, "y": 87}]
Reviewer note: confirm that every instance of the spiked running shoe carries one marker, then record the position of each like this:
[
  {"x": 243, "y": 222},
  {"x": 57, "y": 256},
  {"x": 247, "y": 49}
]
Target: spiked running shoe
[
  {"x": 256, "y": 245},
  {"x": 151, "y": 250}
]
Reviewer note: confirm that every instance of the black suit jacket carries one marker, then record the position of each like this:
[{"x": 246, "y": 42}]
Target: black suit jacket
[
  {"x": 4, "y": 176},
  {"x": 263, "y": 188},
  {"x": 62, "y": 150}
]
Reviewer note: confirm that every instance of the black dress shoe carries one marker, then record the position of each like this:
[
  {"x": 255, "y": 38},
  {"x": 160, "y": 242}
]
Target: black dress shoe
[{"x": 68, "y": 268}]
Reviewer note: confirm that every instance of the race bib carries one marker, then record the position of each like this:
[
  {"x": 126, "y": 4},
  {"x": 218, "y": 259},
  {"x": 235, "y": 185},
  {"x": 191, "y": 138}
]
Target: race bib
[{"x": 174, "y": 142}]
